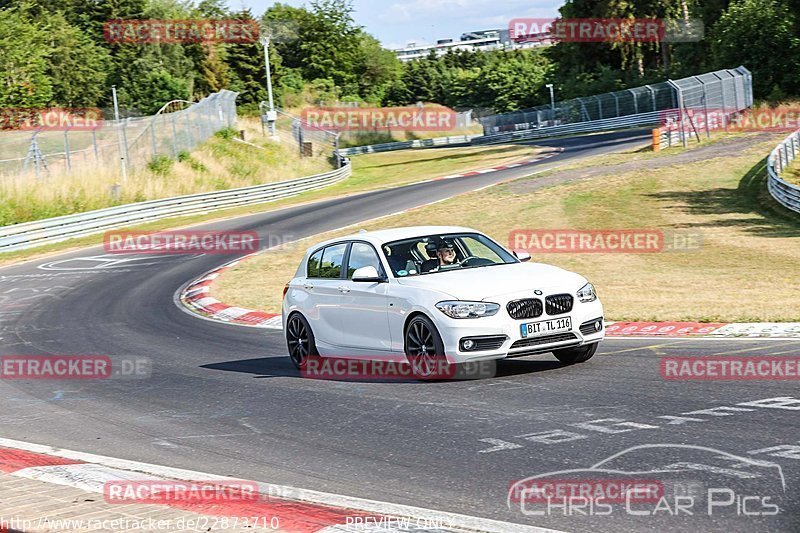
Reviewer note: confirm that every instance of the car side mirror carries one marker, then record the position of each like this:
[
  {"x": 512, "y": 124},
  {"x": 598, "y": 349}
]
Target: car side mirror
[
  {"x": 522, "y": 255},
  {"x": 368, "y": 274}
]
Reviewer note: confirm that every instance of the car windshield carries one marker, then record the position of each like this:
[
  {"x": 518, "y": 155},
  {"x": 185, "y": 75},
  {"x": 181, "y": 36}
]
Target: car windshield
[{"x": 430, "y": 254}]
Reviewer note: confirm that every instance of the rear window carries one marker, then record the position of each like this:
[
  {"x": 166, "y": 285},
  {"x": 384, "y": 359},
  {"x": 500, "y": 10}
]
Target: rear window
[
  {"x": 312, "y": 269},
  {"x": 331, "y": 264}
]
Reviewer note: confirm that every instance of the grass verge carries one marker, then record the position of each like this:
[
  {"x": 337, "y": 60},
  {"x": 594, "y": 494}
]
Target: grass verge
[
  {"x": 219, "y": 163},
  {"x": 370, "y": 172},
  {"x": 744, "y": 270},
  {"x": 792, "y": 173}
]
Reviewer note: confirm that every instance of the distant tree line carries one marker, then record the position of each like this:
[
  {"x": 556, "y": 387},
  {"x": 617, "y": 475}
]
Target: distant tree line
[{"x": 54, "y": 53}]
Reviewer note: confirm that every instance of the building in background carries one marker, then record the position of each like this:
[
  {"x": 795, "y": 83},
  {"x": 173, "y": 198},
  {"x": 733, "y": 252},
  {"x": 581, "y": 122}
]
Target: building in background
[{"x": 476, "y": 41}]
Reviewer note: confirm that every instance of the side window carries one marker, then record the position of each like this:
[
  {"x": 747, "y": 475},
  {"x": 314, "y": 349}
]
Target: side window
[
  {"x": 331, "y": 264},
  {"x": 312, "y": 269},
  {"x": 362, "y": 255}
]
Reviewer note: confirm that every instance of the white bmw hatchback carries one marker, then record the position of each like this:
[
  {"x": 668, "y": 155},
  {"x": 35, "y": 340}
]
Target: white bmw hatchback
[{"x": 418, "y": 293}]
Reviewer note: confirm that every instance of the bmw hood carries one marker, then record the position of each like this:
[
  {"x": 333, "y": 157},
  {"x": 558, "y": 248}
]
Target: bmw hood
[{"x": 485, "y": 283}]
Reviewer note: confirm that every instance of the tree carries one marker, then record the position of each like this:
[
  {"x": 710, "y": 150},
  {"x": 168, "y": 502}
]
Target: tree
[
  {"x": 375, "y": 68},
  {"x": 246, "y": 63},
  {"x": 76, "y": 66},
  {"x": 516, "y": 80},
  {"x": 23, "y": 62},
  {"x": 759, "y": 34}
]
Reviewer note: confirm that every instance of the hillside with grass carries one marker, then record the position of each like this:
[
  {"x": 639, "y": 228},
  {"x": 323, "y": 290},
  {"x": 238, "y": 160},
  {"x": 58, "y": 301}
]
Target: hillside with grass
[
  {"x": 715, "y": 192},
  {"x": 222, "y": 162}
]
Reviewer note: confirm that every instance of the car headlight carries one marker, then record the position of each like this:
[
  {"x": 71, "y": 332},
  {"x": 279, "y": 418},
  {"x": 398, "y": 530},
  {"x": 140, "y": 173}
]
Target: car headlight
[
  {"x": 460, "y": 309},
  {"x": 587, "y": 294}
]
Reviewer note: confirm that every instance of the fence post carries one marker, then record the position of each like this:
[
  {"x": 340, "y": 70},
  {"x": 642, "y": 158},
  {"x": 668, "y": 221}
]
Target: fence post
[
  {"x": 94, "y": 145},
  {"x": 635, "y": 102},
  {"x": 652, "y": 96},
  {"x": 174, "y": 136},
  {"x": 679, "y": 96},
  {"x": 153, "y": 138},
  {"x": 125, "y": 140},
  {"x": 66, "y": 150},
  {"x": 190, "y": 144},
  {"x": 724, "y": 101},
  {"x": 705, "y": 105}
]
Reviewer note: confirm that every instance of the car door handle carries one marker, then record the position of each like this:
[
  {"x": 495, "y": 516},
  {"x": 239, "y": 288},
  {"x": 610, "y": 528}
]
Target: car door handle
[
  {"x": 308, "y": 286},
  {"x": 344, "y": 290}
]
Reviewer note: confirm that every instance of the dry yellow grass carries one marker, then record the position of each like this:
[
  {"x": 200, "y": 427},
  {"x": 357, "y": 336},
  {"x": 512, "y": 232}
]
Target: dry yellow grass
[
  {"x": 368, "y": 173},
  {"x": 792, "y": 172},
  {"x": 745, "y": 270},
  {"x": 217, "y": 164}
]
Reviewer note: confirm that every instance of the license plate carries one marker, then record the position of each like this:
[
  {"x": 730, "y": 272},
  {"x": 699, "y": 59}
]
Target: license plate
[{"x": 556, "y": 325}]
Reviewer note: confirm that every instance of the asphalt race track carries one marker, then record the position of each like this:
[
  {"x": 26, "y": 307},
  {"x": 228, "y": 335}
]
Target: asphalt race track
[{"x": 225, "y": 399}]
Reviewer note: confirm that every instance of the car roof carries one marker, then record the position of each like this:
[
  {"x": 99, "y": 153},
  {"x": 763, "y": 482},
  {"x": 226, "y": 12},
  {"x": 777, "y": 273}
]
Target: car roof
[{"x": 383, "y": 236}]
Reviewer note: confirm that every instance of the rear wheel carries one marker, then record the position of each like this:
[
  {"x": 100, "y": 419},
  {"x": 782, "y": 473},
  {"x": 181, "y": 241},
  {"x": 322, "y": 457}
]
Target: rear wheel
[
  {"x": 299, "y": 340},
  {"x": 581, "y": 354},
  {"x": 424, "y": 348}
]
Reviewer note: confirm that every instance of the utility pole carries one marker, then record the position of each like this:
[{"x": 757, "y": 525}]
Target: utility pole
[
  {"x": 272, "y": 115},
  {"x": 552, "y": 102}
]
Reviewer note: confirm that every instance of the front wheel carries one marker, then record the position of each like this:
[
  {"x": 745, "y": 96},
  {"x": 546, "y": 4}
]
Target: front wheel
[
  {"x": 424, "y": 348},
  {"x": 299, "y": 340},
  {"x": 581, "y": 354}
]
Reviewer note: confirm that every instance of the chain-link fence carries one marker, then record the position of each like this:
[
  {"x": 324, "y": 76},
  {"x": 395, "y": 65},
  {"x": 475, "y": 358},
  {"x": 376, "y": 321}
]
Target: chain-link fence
[
  {"x": 310, "y": 140},
  {"x": 133, "y": 141},
  {"x": 728, "y": 91}
]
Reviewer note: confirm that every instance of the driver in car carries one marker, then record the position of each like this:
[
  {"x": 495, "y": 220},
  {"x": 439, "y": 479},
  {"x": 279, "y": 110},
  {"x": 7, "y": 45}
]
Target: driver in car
[{"x": 446, "y": 254}]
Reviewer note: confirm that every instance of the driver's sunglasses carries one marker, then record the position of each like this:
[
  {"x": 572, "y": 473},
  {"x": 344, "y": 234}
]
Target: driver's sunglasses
[{"x": 447, "y": 251}]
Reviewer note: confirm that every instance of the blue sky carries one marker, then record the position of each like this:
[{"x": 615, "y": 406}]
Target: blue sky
[{"x": 397, "y": 22}]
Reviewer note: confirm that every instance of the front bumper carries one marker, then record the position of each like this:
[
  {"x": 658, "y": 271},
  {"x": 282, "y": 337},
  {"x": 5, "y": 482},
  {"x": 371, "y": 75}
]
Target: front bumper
[{"x": 488, "y": 332}]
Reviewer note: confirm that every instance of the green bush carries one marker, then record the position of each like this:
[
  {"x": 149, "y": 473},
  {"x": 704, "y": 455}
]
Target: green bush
[
  {"x": 160, "y": 165},
  {"x": 227, "y": 133}
]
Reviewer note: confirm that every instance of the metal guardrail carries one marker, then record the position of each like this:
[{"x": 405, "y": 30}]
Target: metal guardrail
[
  {"x": 30, "y": 234},
  {"x": 630, "y": 121},
  {"x": 652, "y": 118},
  {"x": 785, "y": 193},
  {"x": 403, "y": 145}
]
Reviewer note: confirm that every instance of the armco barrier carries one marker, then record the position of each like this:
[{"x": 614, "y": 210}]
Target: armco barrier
[
  {"x": 455, "y": 140},
  {"x": 785, "y": 193},
  {"x": 629, "y": 121},
  {"x": 30, "y": 234}
]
